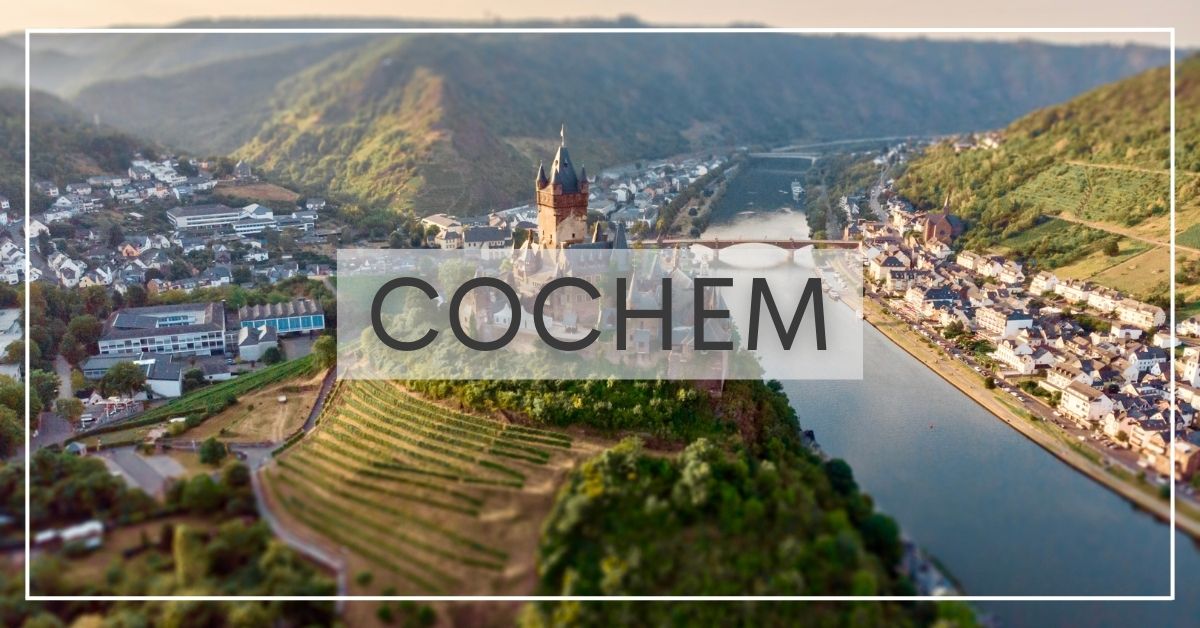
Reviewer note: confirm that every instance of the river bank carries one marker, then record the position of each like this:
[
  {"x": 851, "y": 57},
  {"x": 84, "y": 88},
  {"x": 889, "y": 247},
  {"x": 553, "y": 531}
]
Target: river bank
[{"x": 970, "y": 384}]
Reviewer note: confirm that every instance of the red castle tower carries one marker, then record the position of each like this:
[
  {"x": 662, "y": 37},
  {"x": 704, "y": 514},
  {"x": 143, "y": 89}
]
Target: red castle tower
[{"x": 562, "y": 200}]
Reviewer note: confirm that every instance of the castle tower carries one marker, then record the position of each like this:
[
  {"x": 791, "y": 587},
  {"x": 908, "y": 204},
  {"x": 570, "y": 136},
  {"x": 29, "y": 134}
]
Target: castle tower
[{"x": 562, "y": 199}]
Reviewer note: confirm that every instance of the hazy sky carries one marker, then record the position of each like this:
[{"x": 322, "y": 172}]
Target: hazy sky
[{"x": 1182, "y": 14}]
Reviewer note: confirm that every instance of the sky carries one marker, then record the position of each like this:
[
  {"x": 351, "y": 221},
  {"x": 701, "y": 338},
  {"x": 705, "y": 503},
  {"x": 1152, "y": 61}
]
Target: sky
[{"x": 1182, "y": 14}]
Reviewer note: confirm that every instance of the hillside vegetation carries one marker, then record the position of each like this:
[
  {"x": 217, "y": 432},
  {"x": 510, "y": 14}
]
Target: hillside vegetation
[
  {"x": 1099, "y": 162},
  {"x": 458, "y": 122},
  {"x": 66, "y": 147},
  {"x": 1103, "y": 157}
]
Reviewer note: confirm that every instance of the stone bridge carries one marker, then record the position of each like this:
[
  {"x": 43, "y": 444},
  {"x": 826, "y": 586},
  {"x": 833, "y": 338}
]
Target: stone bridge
[{"x": 790, "y": 245}]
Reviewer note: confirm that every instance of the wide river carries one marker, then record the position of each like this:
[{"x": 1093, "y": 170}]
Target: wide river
[{"x": 1003, "y": 515}]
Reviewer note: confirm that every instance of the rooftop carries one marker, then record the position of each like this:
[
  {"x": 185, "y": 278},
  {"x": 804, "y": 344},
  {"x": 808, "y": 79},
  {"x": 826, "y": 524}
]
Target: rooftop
[{"x": 295, "y": 307}]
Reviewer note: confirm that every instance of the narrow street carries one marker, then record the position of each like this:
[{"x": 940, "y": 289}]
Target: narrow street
[{"x": 63, "y": 369}]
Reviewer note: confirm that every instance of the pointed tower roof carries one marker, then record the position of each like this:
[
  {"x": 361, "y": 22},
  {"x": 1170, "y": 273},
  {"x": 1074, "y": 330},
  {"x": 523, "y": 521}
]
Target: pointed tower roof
[
  {"x": 562, "y": 171},
  {"x": 541, "y": 180}
]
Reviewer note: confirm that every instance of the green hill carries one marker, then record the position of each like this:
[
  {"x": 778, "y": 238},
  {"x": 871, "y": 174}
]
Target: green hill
[
  {"x": 458, "y": 122},
  {"x": 66, "y": 147},
  {"x": 1099, "y": 161}
]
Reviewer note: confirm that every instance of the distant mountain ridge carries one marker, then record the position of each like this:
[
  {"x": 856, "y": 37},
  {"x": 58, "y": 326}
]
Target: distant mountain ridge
[{"x": 458, "y": 122}]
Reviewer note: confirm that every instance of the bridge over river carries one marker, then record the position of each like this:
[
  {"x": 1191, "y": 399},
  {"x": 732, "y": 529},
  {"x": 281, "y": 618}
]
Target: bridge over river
[{"x": 791, "y": 245}]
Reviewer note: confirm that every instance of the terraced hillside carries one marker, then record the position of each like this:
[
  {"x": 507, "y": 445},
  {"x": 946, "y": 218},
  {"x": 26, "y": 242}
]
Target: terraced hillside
[{"x": 426, "y": 499}]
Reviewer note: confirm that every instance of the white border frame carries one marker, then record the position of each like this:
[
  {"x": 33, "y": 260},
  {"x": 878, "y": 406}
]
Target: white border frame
[{"x": 617, "y": 598}]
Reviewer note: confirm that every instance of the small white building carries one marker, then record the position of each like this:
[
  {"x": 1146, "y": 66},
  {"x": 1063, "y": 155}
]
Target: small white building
[
  {"x": 253, "y": 342},
  {"x": 1085, "y": 405}
]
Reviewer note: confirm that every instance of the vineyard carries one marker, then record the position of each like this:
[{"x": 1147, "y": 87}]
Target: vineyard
[{"x": 427, "y": 499}]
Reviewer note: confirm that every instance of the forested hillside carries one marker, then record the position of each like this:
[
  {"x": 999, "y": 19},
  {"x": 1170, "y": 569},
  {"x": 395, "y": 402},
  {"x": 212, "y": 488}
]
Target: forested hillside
[
  {"x": 65, "y": 145},
  {"x": 458, "y": 122}
]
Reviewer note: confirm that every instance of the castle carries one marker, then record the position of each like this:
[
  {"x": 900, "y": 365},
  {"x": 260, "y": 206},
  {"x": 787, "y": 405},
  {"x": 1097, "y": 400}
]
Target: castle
[{"x": 562, "y": 199}]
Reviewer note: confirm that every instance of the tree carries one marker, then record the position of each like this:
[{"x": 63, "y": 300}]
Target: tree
[
  {"x": 135, "y": 296},
  {"x": 45, "y": 385},
  {"x": 115, "y": 235},
  {"x": 12, "y": 431},
  {"x": 180, "y": 270},
  {"x": 841, "y": 476},
  {"x": 192, "y": 379},
  {"x": 78, "y": 381},
  {"x": 241, "y": 275},
  {"x": 201, "y": 495},
  {"x": 9, "y": 297},
  {"x": 272, "y": 356},
  {"x": 69, "y": 409},
  {"x": 14, "y": 353},
  {"x": 325, "y": 350},
  {"x": 212, "y": 451},
  {"x": 882, "y": 536},
  {"x": 123, "y": 378},
  {"x": 953, "y": 330},
  {"x": 97, "y": 303},
  {"x": 72, "y": 350},
  {"x": 235, "y": 474},
  {"x": 989, "y": 383},
  {"x": 87, "y": 329},
  {"x": 1112, "y": 248}
]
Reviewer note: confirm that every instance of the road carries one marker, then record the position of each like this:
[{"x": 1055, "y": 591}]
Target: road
[
  {"x": 319, "y": 404},
  {"x": 258, "y": 458},
  {"x": 63, "y": 369},
  {"x": 890, "y": 138},
  {"x": 52, "y": 430},
  {"x": 141, "y": 472},
  {"x": 335, "y": 563}
]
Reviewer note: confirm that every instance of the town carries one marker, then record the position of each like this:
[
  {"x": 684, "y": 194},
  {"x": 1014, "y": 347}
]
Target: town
[{"x": 1088, "y": 359}]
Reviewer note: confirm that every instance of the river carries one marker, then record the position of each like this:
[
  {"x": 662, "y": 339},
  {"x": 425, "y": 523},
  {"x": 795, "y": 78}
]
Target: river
[{"x": 1003, "y": 515}]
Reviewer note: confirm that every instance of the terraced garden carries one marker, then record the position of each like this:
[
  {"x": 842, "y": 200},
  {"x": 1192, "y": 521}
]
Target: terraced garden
[{"x": 427, "y": 499}]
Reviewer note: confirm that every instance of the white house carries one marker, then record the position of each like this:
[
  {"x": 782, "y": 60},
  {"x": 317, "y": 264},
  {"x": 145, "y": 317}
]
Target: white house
[{"x": 1084, "y": 404}]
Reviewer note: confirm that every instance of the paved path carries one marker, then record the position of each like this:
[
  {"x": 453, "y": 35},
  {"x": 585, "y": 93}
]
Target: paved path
[
  {"x": 63, "y": 369},
  {"x": 258, "y": 457},
  {"x": 326, "y": 386},
  {"x": 145, "y": 476},
  {"x": 331, "y": 560},
  {"x": 52, "y": 430}
]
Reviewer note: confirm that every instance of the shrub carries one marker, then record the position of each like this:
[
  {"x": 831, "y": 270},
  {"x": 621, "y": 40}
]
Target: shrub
[
  {"x": 212, "y": 451},
  {"x": 364, "y": 578}
]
